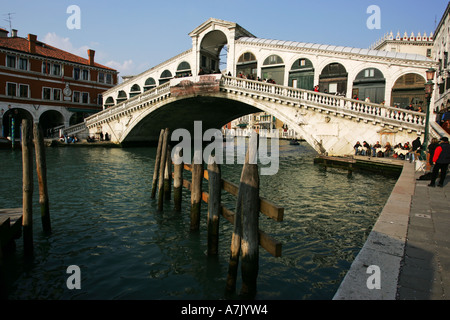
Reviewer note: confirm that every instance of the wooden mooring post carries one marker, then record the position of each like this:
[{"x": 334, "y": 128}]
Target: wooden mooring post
[
  {"x": 246, "y": 237},
  {"x": 162, "y": 166},
  {"x": 157, "y": 163},
  {"x": 178, "y": 169},
  {"x": 196, "y": 189},
  {"x": 214, "y": 207},
  {"x": 168, "y": 174},
  {"x": 27, "y": 180},
  {"x": 41, "y": 168}
]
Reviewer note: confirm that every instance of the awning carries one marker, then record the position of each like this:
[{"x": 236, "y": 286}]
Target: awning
[{"x": 83, "y": 110}]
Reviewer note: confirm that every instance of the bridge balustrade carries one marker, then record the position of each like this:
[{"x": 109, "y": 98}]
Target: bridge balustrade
[{"x": 331, "y": 102}]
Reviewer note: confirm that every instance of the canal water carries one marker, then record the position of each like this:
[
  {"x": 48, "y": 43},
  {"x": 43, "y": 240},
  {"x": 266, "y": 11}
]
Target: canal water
[{"x": 105, "y": 222}]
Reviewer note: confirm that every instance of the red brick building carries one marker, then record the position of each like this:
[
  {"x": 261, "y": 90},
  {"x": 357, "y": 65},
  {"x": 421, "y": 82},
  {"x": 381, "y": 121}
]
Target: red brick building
[{"x": 48, "y": 85}]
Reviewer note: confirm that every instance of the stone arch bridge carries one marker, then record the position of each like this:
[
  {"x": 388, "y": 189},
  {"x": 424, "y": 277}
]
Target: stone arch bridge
[
  {"x": 330, "y": 124},
  {"x": 223, "y": 76}
]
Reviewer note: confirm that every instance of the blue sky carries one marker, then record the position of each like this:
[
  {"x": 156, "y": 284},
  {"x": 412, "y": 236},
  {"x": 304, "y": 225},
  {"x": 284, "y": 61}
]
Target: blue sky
[{"x": 132, "y": 36}]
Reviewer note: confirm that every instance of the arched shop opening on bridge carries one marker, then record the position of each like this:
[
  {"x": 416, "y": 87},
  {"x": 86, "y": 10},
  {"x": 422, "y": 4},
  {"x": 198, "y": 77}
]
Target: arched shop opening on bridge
[
  {"x": 183, "y": 70},
  {"x": 247, "y": 65},
  {"x": 409, "y": 89},
  {"x": 135, "y": 90},
  {"x": 333, "y": 79},
  {"x": 213, "y": 48},
  {"x": 12, "y": 120},
  {"x": 109, "y": 102},
  {"x": 149, "y": 84},
  {"x": 369, "y": 83},
  {"x": 301, "y": 74},
  {"x": 121, "y": 96},
  {"x": 165, "y": 76},
  {"x": 273, "y": 69}
]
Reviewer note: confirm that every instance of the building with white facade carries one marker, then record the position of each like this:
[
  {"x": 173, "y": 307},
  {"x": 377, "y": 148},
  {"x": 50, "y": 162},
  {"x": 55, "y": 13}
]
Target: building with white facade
[{"x": 440, "y": 53}]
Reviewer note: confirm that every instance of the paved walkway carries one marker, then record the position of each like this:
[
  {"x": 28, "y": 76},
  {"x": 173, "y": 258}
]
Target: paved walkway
[
  {"x": 425, "y": 269},
  {"x": 409, "y": 245}
]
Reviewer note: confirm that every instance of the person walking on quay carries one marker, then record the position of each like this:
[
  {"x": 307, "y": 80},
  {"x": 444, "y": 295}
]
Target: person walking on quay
[
  {"x": 416, "y": 145},
  {"x": 441, "y": 159},
  {"x": 431, "y": 147}
]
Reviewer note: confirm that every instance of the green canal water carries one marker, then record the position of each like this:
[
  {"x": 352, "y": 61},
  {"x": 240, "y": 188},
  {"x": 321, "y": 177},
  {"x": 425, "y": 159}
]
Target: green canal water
[{"x": 105, "y": 222}]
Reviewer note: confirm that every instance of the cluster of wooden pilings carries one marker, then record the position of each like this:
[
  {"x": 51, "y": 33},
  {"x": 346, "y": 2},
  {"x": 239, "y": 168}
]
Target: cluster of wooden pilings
[
  {"x": 28, "y": 132},
  {"x": 246, "y": 237}
]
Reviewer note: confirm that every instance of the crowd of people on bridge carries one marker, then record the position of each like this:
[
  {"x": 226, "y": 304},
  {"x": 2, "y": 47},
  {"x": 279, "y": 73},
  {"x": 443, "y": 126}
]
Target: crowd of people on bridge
[{"x": 253, "y": 77}]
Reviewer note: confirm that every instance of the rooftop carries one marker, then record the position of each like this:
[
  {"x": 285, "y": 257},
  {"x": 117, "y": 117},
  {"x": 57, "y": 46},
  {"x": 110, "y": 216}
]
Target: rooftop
[
  {"x": 42, "y": 49},
  {"x": 340, "y": 49}
]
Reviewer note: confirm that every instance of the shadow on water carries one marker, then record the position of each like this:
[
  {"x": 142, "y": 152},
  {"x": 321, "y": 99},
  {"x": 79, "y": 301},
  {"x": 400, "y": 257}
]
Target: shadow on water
[{"x": 104, "y": 221}]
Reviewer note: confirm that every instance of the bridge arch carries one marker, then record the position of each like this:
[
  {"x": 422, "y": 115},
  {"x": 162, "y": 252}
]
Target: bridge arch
[
  {"x": 212, "y": 45},
  {"x": 214, "y": 110}
]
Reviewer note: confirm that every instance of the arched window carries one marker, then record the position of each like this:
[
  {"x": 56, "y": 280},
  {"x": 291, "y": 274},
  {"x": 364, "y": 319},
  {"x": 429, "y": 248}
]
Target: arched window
[
  {"x": 150, "y": 83},
  {"x": 121, "y": 96},
  {"x": 369, "y": 83},
  {"x": 409, "y": 89},
  {"x": 273, "y": 69},
  {"x": 333, "y": 79},
  {"x": 301, "y": 74},
  {"x": 273, "y": 59},
  {"x": 184, "y": 69},
  {"x": 109, "y": 102},
  {"x": 247, "y": 65},
  {"x": 135, "y": 90},
  {"x": 166, "y": 75}
]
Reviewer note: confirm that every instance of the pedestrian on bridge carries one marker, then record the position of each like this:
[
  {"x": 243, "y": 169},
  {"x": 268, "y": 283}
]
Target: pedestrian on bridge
[{"x": 441, "y": 159}]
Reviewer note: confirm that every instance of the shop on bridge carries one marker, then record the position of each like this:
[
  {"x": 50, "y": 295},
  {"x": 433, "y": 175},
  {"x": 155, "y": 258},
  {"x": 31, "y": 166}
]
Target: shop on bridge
[
  {"x": 333, "y": 79},
  {"x": 301, "y": 74},
  {"x": 369, "y": 83},
  {"x": 409, "y": 89}
]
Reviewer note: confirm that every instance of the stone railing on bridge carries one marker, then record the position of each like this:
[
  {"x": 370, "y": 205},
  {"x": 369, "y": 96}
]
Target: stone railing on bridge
[
  {"x": 385, "y": 115},
  {"x": 322, "y": 102},
  {"x": 128, "y": 105}
]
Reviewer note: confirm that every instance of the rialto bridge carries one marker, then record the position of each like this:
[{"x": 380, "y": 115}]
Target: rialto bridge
[{"x": 229, "y": 73}]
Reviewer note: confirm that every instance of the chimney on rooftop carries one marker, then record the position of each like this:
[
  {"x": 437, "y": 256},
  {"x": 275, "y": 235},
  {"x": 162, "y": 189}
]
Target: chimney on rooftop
[
  {"x": 3, "y": 33},
  {"x": 13, "y": 33},
  {"x": 91, "y": 54},
  {"x": 32, "y": 43}
]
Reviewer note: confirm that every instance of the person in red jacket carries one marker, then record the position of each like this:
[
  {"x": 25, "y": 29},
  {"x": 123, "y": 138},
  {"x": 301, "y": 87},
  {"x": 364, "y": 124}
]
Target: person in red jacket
[{"x": 441, "y": 159}]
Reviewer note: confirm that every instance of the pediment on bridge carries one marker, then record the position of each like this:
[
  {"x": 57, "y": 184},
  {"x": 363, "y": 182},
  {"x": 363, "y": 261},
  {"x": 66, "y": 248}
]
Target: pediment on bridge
[{"x": 212, "y": 23}]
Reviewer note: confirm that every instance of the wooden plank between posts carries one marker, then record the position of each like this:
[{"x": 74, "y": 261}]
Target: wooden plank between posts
[
  {"x": 270, "y": 244},
  {"x": 266, "y": 207}
]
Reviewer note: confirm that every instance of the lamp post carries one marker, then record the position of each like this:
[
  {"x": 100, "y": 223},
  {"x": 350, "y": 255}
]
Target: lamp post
[{"x": 428, "y": 93}]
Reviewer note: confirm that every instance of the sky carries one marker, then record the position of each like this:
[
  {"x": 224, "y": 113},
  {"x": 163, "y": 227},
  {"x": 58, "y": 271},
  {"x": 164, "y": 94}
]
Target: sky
[{"x": 132, "y": 36}]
